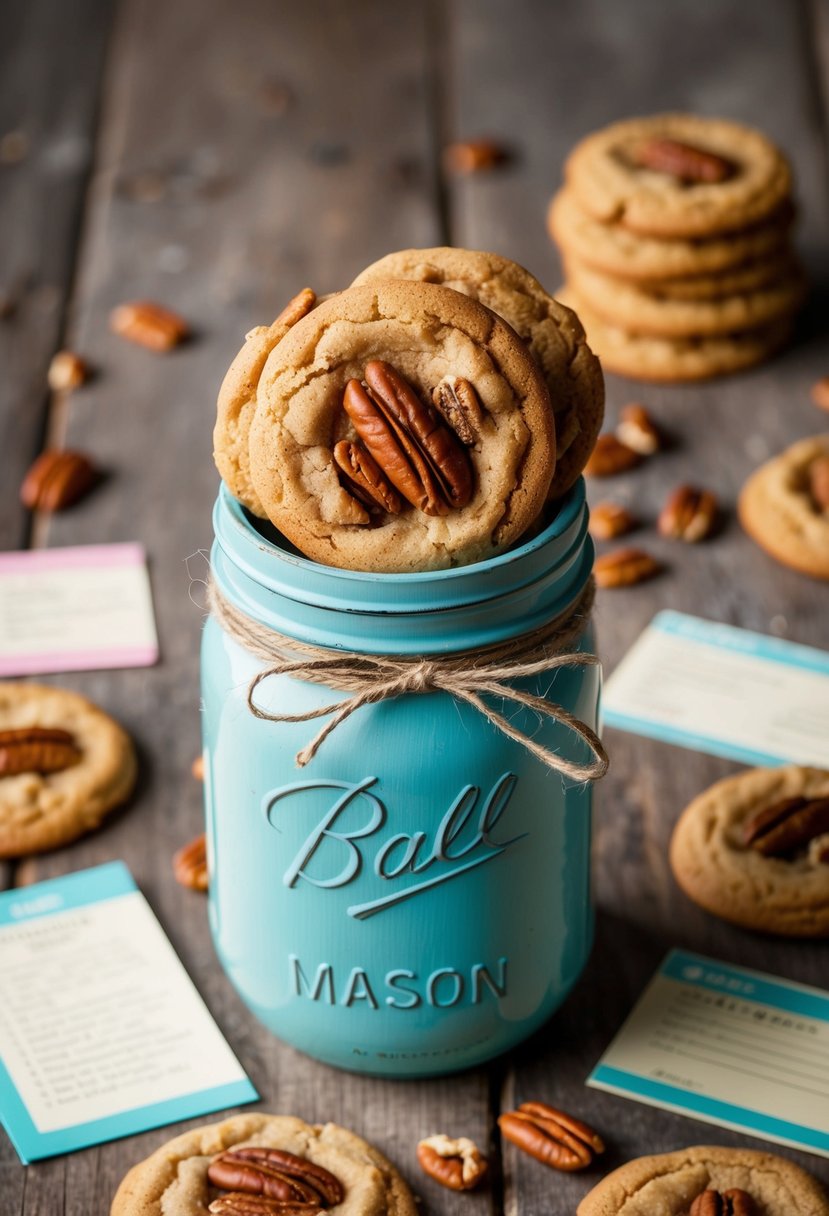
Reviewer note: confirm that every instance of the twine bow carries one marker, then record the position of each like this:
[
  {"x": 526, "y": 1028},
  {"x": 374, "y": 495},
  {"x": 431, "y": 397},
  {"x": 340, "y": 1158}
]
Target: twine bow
[{"x": 466, "y": 676}]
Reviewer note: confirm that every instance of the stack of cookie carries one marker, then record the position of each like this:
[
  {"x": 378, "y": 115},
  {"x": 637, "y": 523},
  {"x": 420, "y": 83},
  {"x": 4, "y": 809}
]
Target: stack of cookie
[{"x": 675, "y": 233}]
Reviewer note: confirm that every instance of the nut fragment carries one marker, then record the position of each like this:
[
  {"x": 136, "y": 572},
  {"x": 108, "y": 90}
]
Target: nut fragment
[
  {"x": 688, "y": 163},
  {"x": 609, "y": 520},
  {"x": 56, "y": 480},
  {"x": 624, "y": 567},
  {"x": 364, "y": 478},
  {"x": 275, "y": 1174},
  {"x": 456, "y": 400},
  {"x": 456, "y": 1164},
  {"x": 689, "y": 514},
  {"x": 236, "y": 1203},
  {"x": 474, "y": 156},
  {"x": 66, "y": 371},
  {"x": 820, "y": 393},
  {"x": 551, "y": 1136},
  {"x": 610, "y": 457},
  {"x": 787, "y": 825},
  {"x": 36, "y": 749},
  {"x": 819, "y": 482},
  {"x": 729, "y": 1203},
  {"x": 637, "y": 430},
  {"x": 297, "y": 308},
  {"x": 148, "y": 325},
  {"x": 190, "y": 864}
]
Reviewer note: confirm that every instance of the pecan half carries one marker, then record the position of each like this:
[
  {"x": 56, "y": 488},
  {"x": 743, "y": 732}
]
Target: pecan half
[
  {"x": 148, "y": 325},
  {"x": 456, "y": 400},
  {"x": 297, "y": 307},
  {"x": 456, "y": 1164},
  {"x": 551, "y": 1136},
  {"x": 637, "y": 430},
  {"x": 237, "y": 1203},
  {"x": 609, "y": 520},
  {"x": 787, "y": 825},
  {"x": 609, "y": 457},
  {"x": 474, "y": 156},
  {"x": 729, "y": 1203},
  {"x": 36, "y": 749},
  {"x": 685, "y": 161},
  {"x": 624, "y": 567},
  {"x": 66, "y": 371},
  {"x": 819, "y": 482},
  {"x": 190, "y": 864},
  {"x": 689, "y": 514},
  {"x": 57, "y": 480},
  {"x": 364, "y": 479},
  {"x": 275, "y": 1174}
]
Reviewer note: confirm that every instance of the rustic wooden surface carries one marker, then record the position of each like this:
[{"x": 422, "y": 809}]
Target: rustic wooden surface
[{"x": 219, "y": 157}]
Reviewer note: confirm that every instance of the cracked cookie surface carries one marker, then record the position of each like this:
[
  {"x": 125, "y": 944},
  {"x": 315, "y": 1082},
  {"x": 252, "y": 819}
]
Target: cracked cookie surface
[
  {"x": 552, "y": 332},
  {"x": 787, "y": 895},
  {"x": 778, "y": 512},
  {"x": 173, "y": 1181},
  {"x": 428, "y": 334},
  {"x": 667, "y": 1184}
]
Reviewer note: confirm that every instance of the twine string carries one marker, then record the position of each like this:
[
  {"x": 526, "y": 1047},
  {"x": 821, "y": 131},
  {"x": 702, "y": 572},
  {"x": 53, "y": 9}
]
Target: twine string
[{"x": 465, "y": 675}]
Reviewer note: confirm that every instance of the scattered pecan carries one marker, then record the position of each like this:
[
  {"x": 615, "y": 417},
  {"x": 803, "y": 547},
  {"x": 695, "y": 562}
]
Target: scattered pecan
[
  {"x": 297, "y": 308},
  {"x": 610, "y": 456},
  {"x": 688, "y": 163},
  {"x": 456, "y": 400},
  {"x": 609, "y": 520},
  {"x": 729, "y": 1203},
  {"x": 819, "y": 482},
  {"x": 197, "y": 768},
  {"x": 551, "y": 1136},
  {"x": 474, "y": 156},
  {"x": 190, "y": 864},
  {"x": 149, "y": 325},
  {"x": 787, "y": 825},
  {"x": 456, "y": 1164},
  {"x": 637, "y": 430},
  {"x": 419, "y": 455},
  {"x": 624, "y": 567},
  {"x": 56, "y": 480},
  {"x": 66, "y": 371},
  {"x": 36, "y": 749},
  {"x": 236, "y": 1203},
  {"x": 820, "y": 393},
  {"x": 275, "y": 1174},
  {"x": 364, "y": 479},
  {"x": 689, "y": 514}
]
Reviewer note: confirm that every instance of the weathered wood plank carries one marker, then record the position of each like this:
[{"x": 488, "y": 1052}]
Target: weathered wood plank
[{"x": 604, "y": 62}]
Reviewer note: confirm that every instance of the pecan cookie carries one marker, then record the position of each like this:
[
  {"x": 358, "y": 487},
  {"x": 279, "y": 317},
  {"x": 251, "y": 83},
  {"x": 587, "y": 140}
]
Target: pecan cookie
[
  {"x": 679, "y": 175},
  {"x": 754, "y": 849},
  {"x": 249, "y": 1164},
  {"x": 670, "y": 1184},
  {"x": 629, "y": 255},
  {"x": 784, "y": 506},
  {"x": 63, "y": 765},
  {"x": 552, "y": 332},
  {"x": 401, "y": 427}
]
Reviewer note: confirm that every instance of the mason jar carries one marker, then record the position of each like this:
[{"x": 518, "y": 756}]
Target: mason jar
[{"x": 415, "y": 899}]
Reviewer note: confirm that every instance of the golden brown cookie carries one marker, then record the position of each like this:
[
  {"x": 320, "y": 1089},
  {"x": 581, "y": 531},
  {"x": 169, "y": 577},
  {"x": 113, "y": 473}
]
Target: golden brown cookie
[
  {"x": 724, "y": 861},
  {"x": 552, "y": 332},
  {"x": 783, "y": 509},
  {"x": 679, "y": 175},
  {"x": 237, "y": 400},
  {"x": 668, "y": 1183},
  {"x": 63, "y": 765},
  {"x": 173, "y": 1181},
  {"x": 629, "y": 255},
  {"x": 737, "y": 281},
  {"x": 495, "y": 422}
]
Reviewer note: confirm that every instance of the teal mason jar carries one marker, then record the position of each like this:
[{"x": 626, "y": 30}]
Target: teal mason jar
[{"x": 416, "y": 898}]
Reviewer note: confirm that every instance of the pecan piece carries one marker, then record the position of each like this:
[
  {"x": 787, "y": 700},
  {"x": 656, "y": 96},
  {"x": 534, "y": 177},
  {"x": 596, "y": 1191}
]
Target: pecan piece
[
  {"x": 473, "y": 156},
  {"x": 609, "y": 520},
  {"x": 66, "y": 371},
  {"x": 610, "y": 456},
  {"x": 237, "y": 1203},
  {"x": 551, "y": 1136},
  {"x": 637, "y": 430},
  {"x": 456, "y": 400},
  {"x": 689, "y": 514},
  {"x": 148, "y": 325},
  {"x": 364, "y": 478},
  {"x": 456, "y": 1164},
  {"x": 190, "y": 864},
  {"x": 57, "y": 480},
  {"x": 787, "y": 825},
  {"x": 36, "y": 749},
  {"x": 729, "y": 1203},
  {"x": 275, "y": 1174},
  {"x": 297, "y": 307},
  {"x": 688, "y": 163},
  {"x": 624, "y": 567},
  {"x": 819, "y": 482}
]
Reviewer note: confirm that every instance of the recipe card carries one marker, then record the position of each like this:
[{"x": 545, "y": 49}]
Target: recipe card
[
  {"x": 82, "y": 608},
  {"x": 102, "y": 1033},
  {"x": 720, "y": 689},
  {"x": 728, "y": 1046}
]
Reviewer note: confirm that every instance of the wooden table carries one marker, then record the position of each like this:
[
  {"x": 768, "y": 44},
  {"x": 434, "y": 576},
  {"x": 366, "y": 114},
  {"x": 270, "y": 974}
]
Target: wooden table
[{"x": 218, "y": 157}]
